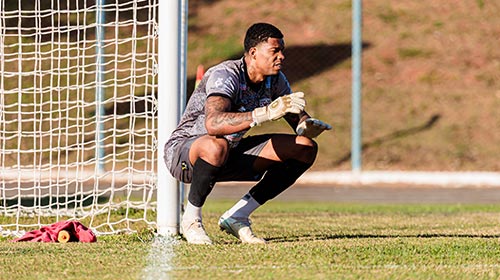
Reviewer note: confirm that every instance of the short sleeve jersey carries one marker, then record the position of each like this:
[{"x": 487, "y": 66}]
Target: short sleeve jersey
[{"x": 226, "y": 79}]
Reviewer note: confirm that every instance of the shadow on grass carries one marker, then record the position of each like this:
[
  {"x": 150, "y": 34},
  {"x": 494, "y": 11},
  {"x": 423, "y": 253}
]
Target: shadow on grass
[
  {"x": 393, "y": 136},
  {"x": 319, "y": 237}
]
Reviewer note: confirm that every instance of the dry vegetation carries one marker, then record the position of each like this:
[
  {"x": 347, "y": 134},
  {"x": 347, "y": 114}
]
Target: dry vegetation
[{"x": 431, "y": 75}]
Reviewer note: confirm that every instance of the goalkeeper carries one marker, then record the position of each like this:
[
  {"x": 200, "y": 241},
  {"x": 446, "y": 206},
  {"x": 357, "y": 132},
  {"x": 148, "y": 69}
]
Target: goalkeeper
[{"x": 208, "y": 144}]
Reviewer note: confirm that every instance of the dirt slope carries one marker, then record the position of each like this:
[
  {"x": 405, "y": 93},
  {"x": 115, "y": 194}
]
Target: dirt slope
[{"x": 431, "y": 75}]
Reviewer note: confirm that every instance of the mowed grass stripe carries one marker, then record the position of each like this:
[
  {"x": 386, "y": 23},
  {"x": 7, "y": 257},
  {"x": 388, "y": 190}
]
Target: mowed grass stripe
[{"x": 339, "y": 266}]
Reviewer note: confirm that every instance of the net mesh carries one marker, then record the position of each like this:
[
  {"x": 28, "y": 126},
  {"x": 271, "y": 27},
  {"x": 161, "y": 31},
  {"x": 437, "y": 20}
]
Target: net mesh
[{"x": 78, "y": 113}]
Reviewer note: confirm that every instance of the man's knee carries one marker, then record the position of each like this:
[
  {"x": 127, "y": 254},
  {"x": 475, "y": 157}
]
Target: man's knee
[
  {"x": 306, "y": 142},
  {"x": 213, "y": 150},
  {"x": 307, "y": 149}
]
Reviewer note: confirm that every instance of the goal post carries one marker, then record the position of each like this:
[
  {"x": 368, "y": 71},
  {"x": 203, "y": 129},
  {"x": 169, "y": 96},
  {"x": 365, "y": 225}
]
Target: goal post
[
  {"x": 171, "y": 56},
  {"x": 65, "y": 154}
]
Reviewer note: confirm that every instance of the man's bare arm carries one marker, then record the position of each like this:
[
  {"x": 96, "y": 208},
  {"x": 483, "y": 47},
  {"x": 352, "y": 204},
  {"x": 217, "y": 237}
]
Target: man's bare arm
[{"x": 221, "y": 122}]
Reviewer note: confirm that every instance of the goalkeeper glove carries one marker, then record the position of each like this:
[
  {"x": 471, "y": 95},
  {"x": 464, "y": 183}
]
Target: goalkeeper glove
[
  {"x": 290, "y": 103},
  {"x": 311, "y": 128}
]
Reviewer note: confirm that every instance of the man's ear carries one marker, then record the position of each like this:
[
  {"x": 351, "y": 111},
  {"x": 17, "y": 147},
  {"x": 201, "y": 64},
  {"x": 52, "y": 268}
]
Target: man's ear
[{"x": 253, "y": 52}]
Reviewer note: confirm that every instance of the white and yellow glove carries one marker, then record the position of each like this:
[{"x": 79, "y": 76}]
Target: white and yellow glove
[
  {"x": 290, "y": 103},
  {"x": 312, "y": 127}
]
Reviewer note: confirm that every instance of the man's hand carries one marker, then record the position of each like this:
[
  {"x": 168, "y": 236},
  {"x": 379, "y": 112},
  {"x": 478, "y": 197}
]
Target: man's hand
[
  {"x": 311, "y": 128},
  {"x": 290, "y": 103}
]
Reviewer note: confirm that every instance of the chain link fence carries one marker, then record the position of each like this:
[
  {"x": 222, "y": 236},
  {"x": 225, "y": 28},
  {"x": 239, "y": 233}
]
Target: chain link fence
[{"x": 431, "y": 75}]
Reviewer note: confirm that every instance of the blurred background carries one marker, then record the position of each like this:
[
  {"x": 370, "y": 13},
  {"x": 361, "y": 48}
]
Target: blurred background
[
  {"x": 431, "y": 75},
  {"x": 79, "y": 92}
]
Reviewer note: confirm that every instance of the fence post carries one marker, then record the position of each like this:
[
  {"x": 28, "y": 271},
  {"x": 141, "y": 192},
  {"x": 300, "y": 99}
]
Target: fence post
[{"x": 356, "y": 127}]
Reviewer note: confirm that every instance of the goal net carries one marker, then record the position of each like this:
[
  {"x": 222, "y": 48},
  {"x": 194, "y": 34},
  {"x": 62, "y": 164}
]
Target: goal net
[{"x": 78, "y": 92}]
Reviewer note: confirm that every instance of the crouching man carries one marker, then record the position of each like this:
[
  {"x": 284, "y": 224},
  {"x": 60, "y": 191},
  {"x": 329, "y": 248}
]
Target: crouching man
[{"x": 208, "y": 144}]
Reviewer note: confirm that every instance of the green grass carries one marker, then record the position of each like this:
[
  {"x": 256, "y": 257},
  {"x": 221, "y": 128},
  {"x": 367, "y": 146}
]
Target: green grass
[{"x": 306, "y": 241}]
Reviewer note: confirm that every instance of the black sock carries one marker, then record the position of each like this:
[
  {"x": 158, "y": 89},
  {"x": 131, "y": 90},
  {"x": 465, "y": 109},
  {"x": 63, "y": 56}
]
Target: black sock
[
  {"x": 277, "y": 179},
  {"x": 203, "y": 181}
]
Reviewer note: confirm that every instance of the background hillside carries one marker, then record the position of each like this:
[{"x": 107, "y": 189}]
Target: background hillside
[{"x": 431, "y": 75}]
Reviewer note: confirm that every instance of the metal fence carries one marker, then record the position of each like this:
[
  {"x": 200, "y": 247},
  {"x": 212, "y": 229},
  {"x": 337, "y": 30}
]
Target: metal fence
[{"x": 430, "y": 76}]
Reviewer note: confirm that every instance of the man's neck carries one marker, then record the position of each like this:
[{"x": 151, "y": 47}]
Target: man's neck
[{"x": 253, "y": 74}]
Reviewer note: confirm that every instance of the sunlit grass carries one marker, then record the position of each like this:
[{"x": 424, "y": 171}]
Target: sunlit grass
[{"x": 306, "y": 240}]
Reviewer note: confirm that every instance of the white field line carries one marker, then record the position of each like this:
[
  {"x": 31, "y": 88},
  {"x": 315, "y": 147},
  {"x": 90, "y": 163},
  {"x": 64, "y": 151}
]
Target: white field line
[
  {"x": 159, "y": 259},
  {"x": 443, "y": 179}
]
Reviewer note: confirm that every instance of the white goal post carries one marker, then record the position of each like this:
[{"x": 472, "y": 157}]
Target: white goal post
[{"x": 79, "y": 114}]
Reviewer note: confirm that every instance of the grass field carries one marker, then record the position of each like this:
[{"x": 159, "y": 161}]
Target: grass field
[{"x": 306, "y": 241}]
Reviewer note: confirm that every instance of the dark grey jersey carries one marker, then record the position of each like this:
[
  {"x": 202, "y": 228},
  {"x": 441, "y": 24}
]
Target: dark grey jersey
[{"x": 225, "y": 79}]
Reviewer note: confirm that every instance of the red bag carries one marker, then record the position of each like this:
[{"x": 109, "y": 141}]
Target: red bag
[{"x": 77, "y": 232}]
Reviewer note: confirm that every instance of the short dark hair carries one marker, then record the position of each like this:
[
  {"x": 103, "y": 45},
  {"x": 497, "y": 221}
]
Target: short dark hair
[{"x": 260, "y": 32}]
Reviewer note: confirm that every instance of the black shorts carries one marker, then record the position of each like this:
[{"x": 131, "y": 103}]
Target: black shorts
[{"x": 238, "y": 167}]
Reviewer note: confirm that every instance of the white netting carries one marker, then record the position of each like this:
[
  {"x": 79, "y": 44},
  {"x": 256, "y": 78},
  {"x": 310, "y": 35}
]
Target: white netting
[{"x": 78, "y": 113}]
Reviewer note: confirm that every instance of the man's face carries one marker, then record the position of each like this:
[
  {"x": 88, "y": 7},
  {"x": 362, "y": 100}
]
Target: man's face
[{"x": 269, "y": 56}]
